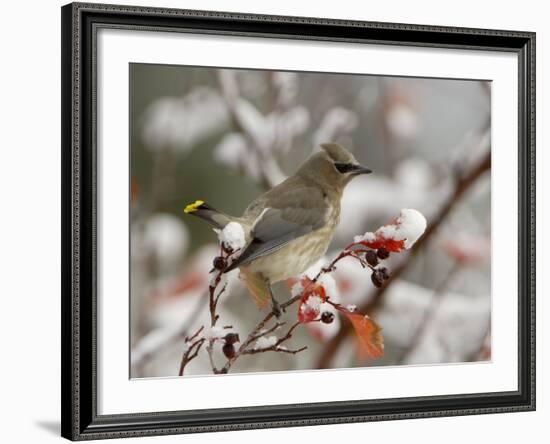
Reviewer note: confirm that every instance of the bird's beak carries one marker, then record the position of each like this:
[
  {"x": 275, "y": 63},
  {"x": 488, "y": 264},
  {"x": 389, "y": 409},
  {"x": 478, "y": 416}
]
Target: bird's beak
[{"x": 359, "y": 169}]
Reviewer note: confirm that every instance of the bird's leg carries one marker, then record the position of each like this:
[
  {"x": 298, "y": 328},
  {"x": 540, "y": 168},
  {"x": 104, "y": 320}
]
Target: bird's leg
[{"x": 275, "y": 306}]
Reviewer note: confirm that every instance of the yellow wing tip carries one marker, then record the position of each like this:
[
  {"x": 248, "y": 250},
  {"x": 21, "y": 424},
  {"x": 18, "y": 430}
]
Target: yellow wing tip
[{"x": 193, "y": 206}]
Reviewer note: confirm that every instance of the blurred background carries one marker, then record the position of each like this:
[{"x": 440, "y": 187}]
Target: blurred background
[{"x": 225, "y": 136}]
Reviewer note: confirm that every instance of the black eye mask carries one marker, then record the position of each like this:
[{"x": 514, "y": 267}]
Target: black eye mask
[{"x": 344, "y": 168}]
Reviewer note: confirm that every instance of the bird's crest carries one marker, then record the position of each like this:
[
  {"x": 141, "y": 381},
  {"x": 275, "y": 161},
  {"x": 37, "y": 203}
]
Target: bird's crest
[{"x": 337, "y": 152}]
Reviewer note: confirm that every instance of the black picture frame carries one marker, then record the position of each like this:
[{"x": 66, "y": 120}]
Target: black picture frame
[{"x": 79, "y": 210}]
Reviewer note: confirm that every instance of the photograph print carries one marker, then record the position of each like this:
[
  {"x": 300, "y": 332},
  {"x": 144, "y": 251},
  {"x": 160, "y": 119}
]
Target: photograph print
[{"x": 285, "y": 221}]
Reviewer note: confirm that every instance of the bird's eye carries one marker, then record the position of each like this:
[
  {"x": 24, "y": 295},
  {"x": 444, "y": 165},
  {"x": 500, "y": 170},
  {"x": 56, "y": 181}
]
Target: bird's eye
[{"x": 344, "y": 167}]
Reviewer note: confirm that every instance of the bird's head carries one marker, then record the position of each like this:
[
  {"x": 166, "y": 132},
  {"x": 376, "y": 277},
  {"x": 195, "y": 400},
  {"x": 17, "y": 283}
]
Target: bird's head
[{"x": 333, "y": 167}]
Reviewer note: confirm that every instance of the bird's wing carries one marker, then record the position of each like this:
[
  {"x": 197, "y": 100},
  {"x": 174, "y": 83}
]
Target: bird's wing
[{"x": 280, "y": 224}]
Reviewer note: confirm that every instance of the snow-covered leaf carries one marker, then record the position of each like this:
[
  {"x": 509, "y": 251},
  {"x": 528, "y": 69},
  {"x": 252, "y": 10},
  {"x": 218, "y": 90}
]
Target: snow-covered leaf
[
  {"x": 396, "y": 236},
  {"x": 313, "y": 295}
]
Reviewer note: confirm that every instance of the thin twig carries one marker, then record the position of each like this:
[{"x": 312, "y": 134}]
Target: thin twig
[
  {"x": 258, "y": 332},
  {"x": 213, "y": 299},
  {"x": 192, "y": 349},
  {"x": 262, "y": 333},
  {"x": 275, "y": 349},
  {"x": 277, "y": 345}
]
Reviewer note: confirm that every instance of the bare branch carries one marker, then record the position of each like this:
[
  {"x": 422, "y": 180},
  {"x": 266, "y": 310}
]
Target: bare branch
[
  {"x": 192, "y": 350},
  {"x": 263, "y": 333},
  {"x": 254, "y": 351},
  {"x": 195, "y": 335}
]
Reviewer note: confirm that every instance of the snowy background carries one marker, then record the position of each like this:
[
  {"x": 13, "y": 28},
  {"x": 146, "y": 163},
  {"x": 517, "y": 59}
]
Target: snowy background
[{"x": 225, "y": 136}]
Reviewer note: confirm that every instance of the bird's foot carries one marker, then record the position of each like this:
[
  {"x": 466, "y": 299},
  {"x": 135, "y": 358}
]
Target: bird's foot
[{"x": 276, "y": 308}]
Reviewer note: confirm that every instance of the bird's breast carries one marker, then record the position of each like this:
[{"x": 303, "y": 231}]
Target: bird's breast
[
  {"x": 332, "y": 215},
  {"x": 300, "y": 254}
]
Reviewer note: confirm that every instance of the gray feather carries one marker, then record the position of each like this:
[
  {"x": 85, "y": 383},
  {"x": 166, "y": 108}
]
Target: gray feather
[
  {"x": 214, "y": 217},
  {"x": 287, "y": 217}
]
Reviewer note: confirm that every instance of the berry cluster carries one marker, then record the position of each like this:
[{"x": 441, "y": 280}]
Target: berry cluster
[{"x": 373, "y": 258}]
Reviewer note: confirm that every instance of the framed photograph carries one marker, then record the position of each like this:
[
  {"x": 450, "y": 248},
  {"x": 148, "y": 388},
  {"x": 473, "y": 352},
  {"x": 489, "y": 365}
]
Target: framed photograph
[{"x": 282, "y": 221}]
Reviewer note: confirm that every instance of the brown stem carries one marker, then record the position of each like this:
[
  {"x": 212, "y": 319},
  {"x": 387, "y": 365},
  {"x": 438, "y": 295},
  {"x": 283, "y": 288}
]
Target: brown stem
[
  {"x": 192, "y": 350},
  {"x": 463, "y": 184},
  {"x": 265, "y": 332},
  {"x": 274, "y": 348},
  {"x": 257, "y": 333}
]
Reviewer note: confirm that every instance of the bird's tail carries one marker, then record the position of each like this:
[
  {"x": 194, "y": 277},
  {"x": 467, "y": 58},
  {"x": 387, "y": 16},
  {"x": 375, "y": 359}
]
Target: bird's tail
[
  {"x": 206, "y": 212},
  {"x": 256, "y": 284}
]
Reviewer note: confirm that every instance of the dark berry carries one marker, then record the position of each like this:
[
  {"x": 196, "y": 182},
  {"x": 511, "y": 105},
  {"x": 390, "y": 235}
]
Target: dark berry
[
  {"x": 228, "y": 350},
  {"x": 384, "y": 273},
  {"x": 327, "y": 317},
  {"x": 220, "y": 263},
  {"x": 376, "y": 278},
  {"x": 231, "y": 338},
  {"x": 382, "y": 253},
  {"x": 371, "y": 258},
  {"x": 222, "y": 371}
]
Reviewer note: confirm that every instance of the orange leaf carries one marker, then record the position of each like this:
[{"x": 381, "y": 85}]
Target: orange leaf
[
  {"x": 392, "y": 245},
  {"x": 369, "y": 335},
  {"x": 308, "y": 311}
]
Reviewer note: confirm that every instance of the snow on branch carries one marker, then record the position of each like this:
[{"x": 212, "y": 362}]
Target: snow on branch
[{"x": 396, "y": 236}]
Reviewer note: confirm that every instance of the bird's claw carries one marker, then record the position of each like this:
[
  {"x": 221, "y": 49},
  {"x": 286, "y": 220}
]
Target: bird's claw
[{"x": 276, "y": 308}]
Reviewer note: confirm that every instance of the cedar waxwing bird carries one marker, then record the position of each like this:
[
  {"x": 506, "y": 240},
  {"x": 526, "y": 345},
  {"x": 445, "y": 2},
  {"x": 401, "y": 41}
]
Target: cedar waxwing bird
[{"x": 289, "y": 228}]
